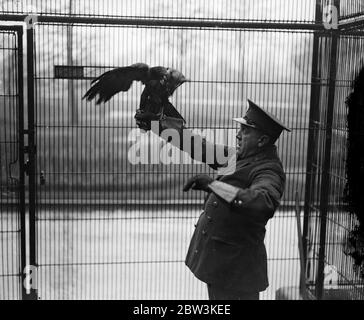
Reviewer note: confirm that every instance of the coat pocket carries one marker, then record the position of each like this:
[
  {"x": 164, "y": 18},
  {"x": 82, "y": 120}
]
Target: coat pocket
[{"x": 225, "y": 253}]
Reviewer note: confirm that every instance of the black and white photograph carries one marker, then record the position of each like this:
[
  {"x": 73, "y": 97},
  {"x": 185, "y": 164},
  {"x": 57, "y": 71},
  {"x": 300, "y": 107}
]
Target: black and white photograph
[{"x": 195, "y": 151}]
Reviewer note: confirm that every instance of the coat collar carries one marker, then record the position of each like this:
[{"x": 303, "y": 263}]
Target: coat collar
[{"x": 270, "y": 152}]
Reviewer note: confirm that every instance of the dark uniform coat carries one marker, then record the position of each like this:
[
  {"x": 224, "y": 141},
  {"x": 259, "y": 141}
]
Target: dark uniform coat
[{"x": 227, "y": 248}]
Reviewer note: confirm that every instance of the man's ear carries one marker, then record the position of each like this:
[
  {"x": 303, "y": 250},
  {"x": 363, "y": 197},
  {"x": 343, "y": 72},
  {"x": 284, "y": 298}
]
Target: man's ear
[{"x": 264, "y": 140}]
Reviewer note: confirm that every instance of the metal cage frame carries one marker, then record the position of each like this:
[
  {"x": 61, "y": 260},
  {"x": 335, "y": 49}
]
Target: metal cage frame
[{"x": 318, "y": 207}]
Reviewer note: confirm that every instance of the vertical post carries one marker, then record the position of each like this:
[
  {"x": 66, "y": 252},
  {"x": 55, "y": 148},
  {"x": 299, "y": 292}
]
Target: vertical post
[
  {"x": 72, "y": 107},
  {"x": 31, "y": 153},
  {"x": 325, "y": 183},
  {"x": 20, "y": 83},
  {"x": 303, "y": 290},
  {"x": 313, "y": 120}
]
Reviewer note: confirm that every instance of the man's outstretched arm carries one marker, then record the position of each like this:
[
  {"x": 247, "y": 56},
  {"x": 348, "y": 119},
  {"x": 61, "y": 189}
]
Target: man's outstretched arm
[{"x": 215, "y": 155}]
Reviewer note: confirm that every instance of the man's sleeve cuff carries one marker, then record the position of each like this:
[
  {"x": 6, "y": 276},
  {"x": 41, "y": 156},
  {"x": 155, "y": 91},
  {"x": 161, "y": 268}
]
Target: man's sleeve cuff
[{"x": 224, "y": 190}]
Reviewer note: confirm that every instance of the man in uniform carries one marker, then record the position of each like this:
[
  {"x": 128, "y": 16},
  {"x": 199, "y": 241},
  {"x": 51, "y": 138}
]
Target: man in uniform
[{"x": 227, "y": 249}]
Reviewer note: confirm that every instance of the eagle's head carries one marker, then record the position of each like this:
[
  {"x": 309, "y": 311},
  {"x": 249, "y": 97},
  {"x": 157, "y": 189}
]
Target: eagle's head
[{"x": 174, "y": 79}]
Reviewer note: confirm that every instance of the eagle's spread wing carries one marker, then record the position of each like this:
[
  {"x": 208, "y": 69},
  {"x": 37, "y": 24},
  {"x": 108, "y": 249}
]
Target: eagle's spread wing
[
  {"x": 116, "y": 80},
  {"x": 160, "y": 83}
]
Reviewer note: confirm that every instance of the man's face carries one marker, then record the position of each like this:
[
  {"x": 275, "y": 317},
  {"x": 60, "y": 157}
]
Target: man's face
[{"x": 247, "y": 141}]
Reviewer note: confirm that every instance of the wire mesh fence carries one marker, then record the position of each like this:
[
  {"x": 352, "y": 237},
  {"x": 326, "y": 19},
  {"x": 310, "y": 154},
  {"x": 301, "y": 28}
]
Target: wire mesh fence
[
  {"x": 10, "y": 214},
  {"x": 84, "y": 158},
  {"x": 331, "y": 231},
  {"x": 108, "y": 228},
  {"x": 351, "y": 9},
  {"x": 232, "y": 10}
]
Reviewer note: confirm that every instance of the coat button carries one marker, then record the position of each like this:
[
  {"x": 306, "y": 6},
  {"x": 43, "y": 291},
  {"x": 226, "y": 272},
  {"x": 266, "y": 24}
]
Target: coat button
[
  {"x": 214, "y": 203},
  {"x": 196, "y": 251},
  {"x": 204, "y": 232},
  {"x": 209, "y": 218}
]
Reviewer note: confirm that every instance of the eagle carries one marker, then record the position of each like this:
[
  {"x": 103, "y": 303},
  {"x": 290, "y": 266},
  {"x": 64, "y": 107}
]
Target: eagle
[{"x": 160, "y": 83}]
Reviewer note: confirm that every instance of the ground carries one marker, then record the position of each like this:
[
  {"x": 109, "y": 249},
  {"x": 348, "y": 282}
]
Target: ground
[{"x": 131, "y": 254}]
